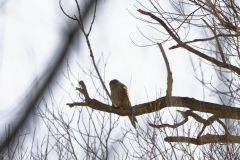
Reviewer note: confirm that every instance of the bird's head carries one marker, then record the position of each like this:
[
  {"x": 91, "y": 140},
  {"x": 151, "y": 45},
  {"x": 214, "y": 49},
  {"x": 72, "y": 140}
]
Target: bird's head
[{"x": 113, "y": 82}]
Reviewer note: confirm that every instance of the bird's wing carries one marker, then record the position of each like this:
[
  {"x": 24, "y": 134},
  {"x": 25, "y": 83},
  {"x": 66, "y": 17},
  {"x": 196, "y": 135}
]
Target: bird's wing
[{"x": 125, "y": 92}]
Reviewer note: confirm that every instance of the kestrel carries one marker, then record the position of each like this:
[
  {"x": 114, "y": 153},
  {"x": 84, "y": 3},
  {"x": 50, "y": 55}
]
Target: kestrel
[{"x": 119, "y": 96}]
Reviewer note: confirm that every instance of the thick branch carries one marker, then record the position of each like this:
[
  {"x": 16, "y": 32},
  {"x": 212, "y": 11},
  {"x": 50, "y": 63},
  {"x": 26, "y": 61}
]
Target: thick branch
[
  {"x": 222, "y": 111},
  {"x": 206, "y": 139}
]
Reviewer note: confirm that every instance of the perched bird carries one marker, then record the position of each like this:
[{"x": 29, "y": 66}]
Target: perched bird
[{"x": 119, "y": 96}]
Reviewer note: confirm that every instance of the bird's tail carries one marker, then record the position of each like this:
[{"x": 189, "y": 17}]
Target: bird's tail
[{"x": 133, "y": 121}]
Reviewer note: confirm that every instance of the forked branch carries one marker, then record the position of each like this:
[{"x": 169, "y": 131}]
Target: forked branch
[
  {"x": 218, "y": 111},
  {"x": 86, "y": 35},
  {"x": 208, "y": 138},
  {"x": 221, "y": 111},
  {"x": 189, "y": 48}
]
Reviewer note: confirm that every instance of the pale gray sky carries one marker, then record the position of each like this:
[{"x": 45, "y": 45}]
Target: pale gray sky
[{"x": 31, "y": 31}]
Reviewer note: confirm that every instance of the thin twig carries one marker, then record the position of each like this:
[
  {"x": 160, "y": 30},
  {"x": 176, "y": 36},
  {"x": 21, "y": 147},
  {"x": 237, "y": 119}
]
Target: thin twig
[
  {"x": 189, "y": 48},
  {"x": 86, "y": 35},
  {"x": 205, "y": 39}
]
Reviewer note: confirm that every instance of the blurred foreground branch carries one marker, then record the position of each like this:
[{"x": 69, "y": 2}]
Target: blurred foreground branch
[{"x": 38, "y": 87}]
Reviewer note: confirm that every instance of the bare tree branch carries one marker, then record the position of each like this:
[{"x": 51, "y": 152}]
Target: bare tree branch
[
  {"x": 86, "y": 35},
  {"x": 206, "y": 139},
  {"x": 221, "y": 111},
  {"x": 183, "y": 45},
  {"x": 38, "y": 87},
  {"x": 169, "y": 78}
]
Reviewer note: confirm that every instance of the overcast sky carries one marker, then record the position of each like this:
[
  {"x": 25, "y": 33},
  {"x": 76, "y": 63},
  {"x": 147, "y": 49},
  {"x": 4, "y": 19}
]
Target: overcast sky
[{"x": 31, "y": 32}]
